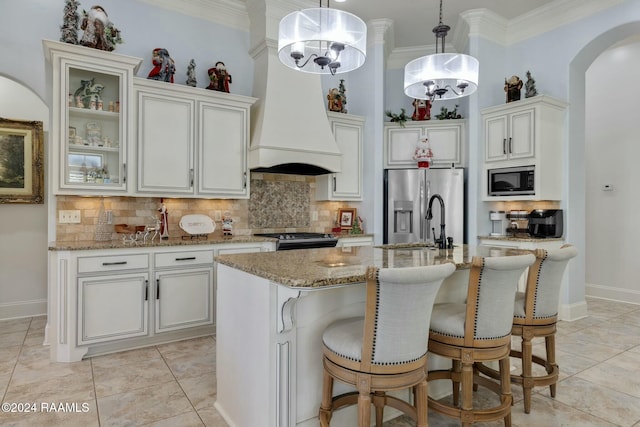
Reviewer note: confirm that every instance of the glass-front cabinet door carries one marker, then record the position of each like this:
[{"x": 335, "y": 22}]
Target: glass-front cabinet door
[{"x": 91, "y": 130}]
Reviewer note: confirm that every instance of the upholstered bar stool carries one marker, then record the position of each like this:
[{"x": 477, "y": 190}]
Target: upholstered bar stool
[
  {"x": 387, "y": 348},
  {"x": 536, "y": 315},
  {"x": 478, "y": 331}
]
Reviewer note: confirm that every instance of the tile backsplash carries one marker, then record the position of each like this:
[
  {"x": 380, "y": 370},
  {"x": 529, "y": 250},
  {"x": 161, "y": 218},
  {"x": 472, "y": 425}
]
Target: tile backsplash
[{"x": 278, "y": 203}]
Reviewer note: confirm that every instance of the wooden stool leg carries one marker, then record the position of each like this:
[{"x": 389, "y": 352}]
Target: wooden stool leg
[
  {"x": 364, "y": 409},
  {"x": 325, "y": 406},
  {"x": 466, "y": 380},
  {"x": 455, "y": 382},
  {"x": 550, "y": 344},
  {"x": 527, "y": 380},
  {"x": 420, "y": 401},
  {"x": 378, "y": 402},
  {"x": 505, "y": 387}
]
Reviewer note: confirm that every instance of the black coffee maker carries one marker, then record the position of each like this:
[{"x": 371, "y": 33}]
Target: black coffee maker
[{"x": 545, "y": 223}]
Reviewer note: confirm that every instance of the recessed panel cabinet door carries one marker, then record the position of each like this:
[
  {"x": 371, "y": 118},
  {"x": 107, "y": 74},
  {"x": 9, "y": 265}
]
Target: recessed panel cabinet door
[
  {"x": 222, "y": 148},
  {"x": 112, "y": 307},
  {"x": 184, "y": 298},
  {"x": 522, "y": 142},
  {"x": 165, "y": 144},
  {"x": 496, "y": 136},
  {"x": 348, "y": 185}
]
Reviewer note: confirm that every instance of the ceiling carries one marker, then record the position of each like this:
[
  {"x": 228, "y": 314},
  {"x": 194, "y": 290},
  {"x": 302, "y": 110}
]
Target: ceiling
[{"x": 414, "y": 19}]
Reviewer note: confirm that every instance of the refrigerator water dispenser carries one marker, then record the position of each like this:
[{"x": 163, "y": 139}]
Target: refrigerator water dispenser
[{"x": 403, "y": 216}]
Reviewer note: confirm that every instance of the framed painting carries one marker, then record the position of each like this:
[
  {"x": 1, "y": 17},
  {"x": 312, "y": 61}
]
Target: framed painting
[
  {"x": 21, "y": 161},
  {"x": 346, "y": 217}
]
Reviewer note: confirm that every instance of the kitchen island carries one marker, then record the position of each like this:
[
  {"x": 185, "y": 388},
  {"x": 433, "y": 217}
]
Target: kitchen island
[{"x": 272, "y": 309}]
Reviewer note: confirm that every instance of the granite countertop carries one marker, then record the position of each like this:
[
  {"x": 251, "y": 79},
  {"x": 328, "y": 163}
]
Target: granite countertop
[
  {"x": 521, "y": 238},
  {"x": 120, "y": 244},
  {"x": 317, "y": 268},
  {"x": 210, "y": 240}
]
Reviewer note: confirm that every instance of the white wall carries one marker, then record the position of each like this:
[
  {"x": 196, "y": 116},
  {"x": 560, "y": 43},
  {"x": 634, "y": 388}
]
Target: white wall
[
  {"x": 23, "y": 227},
  {"x": 612, "y": 153}
]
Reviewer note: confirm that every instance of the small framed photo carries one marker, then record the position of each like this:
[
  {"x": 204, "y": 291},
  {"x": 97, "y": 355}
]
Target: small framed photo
[{"x": 346, "y": 217}]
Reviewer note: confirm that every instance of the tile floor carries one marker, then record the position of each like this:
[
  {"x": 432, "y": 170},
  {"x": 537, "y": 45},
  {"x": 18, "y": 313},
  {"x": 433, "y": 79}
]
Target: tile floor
[{"x": 174, "y": 384}]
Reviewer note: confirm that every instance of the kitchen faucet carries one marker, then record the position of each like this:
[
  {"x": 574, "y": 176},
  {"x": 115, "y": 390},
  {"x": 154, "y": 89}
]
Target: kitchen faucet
[{"x": 442, "y": 241}]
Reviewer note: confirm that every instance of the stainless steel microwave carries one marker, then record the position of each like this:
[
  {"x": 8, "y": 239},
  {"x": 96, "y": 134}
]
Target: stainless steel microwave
[{"x": 516, "y": 181}]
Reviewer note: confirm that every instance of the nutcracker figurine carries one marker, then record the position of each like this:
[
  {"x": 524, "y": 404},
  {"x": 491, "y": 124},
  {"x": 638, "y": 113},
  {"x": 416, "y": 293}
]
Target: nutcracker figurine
[{"x": 164, "y": 221}]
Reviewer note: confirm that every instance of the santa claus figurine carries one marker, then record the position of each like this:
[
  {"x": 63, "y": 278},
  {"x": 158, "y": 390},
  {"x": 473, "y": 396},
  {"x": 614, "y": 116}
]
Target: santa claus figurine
[
  {"x": 421, "y": 109},
  {"x": 99, "y": 32},
  {"x": 163, "y": 66},
  {"x": 219, "y": 78}
]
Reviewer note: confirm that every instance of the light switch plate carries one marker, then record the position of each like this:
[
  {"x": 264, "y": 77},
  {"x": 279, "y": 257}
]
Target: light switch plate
[{"x": 69, "y": 217}]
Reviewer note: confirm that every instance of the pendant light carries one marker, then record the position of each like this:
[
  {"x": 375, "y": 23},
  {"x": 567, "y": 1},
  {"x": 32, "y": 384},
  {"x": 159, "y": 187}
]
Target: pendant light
[
  {"x": 441, "y": 75},
  {"x": 322, "y": 40}
]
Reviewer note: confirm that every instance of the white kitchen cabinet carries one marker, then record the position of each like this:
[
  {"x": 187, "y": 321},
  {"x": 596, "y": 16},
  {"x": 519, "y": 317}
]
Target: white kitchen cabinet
[
  {"x": 112, "y": 307},
  {"x": 528, "y": 132},
  {"x": 91, "y": 119},
  {"x": 510, "y": 136},
  {"x": 107, "y": 300},
  {"x": 445, "y": 136},
  {"x": 183, "y": 290},
  {"x": 112, "y": 296},
  {"x": 345, "y": 185},
  {"x": 191, "y": 142}
]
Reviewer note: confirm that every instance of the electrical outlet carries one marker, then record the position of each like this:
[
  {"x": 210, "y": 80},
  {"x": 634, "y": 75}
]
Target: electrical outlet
[
  {"x": 217, "y": 216},
  {"x": 69, "y": 217}
]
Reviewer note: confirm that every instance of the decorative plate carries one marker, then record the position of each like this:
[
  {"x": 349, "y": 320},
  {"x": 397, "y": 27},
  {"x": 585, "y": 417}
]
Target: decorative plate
[{"x": 197, "y": 224}]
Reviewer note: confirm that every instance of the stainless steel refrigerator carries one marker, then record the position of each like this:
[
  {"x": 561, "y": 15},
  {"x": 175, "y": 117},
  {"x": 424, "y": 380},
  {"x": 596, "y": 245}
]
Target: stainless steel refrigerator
[{"x": 407, "y": 193}]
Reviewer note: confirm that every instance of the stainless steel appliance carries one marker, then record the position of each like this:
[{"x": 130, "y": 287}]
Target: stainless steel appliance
[
  {"x": 499, "y": 223},
  {"x": 516, "y": 181},
  {"x": 288, "y": 241},
  {"x": 546, "y": 223},
  {"x": 407, "y": 196}
]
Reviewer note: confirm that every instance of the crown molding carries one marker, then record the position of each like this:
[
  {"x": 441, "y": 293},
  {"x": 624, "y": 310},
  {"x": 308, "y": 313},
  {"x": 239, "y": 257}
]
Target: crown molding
[
  {"x": 554, "y": 15},
  {"x": 480, "y": 23},
  {"x": 471, "y": 23},
  {"x": 230, "y": 13},
  {"x": 381, "y": 32}
]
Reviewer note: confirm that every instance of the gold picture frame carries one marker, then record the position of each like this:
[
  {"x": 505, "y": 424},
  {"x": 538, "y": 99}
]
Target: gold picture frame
[
  {"x": 346, "y": 217},
  {"x": 21, "y": 161}
]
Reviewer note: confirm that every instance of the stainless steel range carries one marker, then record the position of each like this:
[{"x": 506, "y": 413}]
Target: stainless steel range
[{"x": 302, "y": 240}]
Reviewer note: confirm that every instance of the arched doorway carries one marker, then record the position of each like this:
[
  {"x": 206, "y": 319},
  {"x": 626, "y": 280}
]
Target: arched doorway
[{"x": 576, "y": 155}]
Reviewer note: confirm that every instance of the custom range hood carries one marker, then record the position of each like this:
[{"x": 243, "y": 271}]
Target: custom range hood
[{"x": 290, "y": 132}]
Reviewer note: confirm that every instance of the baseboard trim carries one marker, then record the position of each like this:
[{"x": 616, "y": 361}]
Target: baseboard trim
[
  {"x": 612, "y": 293},
  {"x": 571, "y": 312},
  {"x": 16, "y": 310}
]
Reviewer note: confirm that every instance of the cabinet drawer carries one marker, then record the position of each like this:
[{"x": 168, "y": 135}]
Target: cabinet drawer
[
  {"x": 179, "y": 259},
  {"x": 240, "y": 250},
  {"x": 99, "y": 264}
]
